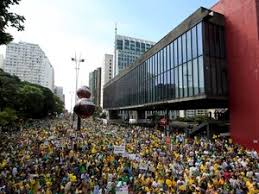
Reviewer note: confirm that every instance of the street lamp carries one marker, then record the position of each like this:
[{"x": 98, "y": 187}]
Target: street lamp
[
  {"x": 77, "y": 68},
  {"x": 77, "y": 63}
]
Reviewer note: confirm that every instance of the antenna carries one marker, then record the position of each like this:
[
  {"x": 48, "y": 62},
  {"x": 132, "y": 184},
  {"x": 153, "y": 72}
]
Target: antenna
[
  {"x": 115, "y": 47},
  {"x": 116, "y": 28}
]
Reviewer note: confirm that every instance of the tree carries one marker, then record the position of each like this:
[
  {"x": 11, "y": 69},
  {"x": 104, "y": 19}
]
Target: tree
[
  {"x": 32, "y": 100},
  {"x": 27, "y": 99},
  {"x": 7, "y": 117},
  {"x": 59, "y": 105},
  {"x": 9, "y": 19},
  {"x": 8, "y": 90}
]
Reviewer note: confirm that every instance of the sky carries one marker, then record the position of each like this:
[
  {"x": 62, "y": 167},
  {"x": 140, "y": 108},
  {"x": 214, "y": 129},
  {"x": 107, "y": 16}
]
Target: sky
[{"x": 86, "y": 27}]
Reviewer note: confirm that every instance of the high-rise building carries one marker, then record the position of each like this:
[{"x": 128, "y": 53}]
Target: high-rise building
[
  {"x": 29, "y": 63},
  {"x": 107, "y": 68},
  {"x": 107, "y": 72},
  {"x": 1, "y": 61},
  {"x": 127, "y": 50},
  {"x": 95, "y": 86},
  {"x": 58, "y": 91}
]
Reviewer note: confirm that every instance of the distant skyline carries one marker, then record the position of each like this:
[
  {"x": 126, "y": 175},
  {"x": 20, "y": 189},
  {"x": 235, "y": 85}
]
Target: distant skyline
[{"x": 63, "y": 27}]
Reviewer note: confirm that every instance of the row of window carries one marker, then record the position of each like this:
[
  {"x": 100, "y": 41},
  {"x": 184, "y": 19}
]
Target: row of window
[
  {"x": 132, "y": 45},
  {"x": 182, "y": 81}
]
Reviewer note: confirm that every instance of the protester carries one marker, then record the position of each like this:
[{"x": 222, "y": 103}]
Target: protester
[{"x": 56, "y": 159}]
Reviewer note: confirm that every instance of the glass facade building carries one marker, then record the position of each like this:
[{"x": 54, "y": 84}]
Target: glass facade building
[
  {"x": 192, "y": 64},
  {"x": 127, "y": 50}
]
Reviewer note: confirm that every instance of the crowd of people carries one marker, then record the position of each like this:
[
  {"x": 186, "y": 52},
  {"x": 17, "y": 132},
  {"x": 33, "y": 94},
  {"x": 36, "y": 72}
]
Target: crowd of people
[{"x": 98, "y": 159}]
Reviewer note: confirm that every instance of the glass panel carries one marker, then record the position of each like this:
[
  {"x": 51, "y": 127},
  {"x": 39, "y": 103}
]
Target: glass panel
[
  {"x": 180, "y": 52},
  {"x": 194, "y": 42},
  {"x": 168, "y": 58},
  {"x": 189, "y": 78},
  {"x": 156, "y": 88},
  {"x": 172, "y": 85},
  {"x": 184, "y": 48},
  {"x": 180, "y": 81},
  {"x": 195, "y": 77},
  {"x": 213, "y": 76},
  {"x": 211, "y": 39},
  {"x": 219, "y": 75},
  {"x": 199, "y": 36},
  {"x": 222, "y": 42},
  {"x": 185, "y": 78},
  {"x": 155, "y": 64},
  {"x": 201, "y": 75},
  {"x": 164, "y": 59},
  {"x": 176, "y": 82},
  {"x": 167, "y": 84},
  {"x": 189, "y": 46},
  {"x": 158, "y": 63},
  {"x": 217, "y": 41},
  {"x": 175, "y": 53},
  {"x": 172, "y": 54}
]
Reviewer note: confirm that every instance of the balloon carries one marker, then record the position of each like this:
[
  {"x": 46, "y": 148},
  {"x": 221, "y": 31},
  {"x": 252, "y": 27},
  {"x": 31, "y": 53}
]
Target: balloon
[
  {"x": 84, "y": 108},
  {"x": 83, "y": 92}
]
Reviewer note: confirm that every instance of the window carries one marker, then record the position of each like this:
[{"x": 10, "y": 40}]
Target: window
[
  {"x": 195, "y": 77},
  {"x": 172, "y": 54},
  {"x": 189, "y": 78},
  {"x": 172, "y": 85},
  {"x": 199, "y": 37},
  {"x": 168, "y": 58},
  {"x": 176, "y": 82},
  {"x": 175, "y": 53},
  {"x": 194, "y": 42},
  {"x": 184, "y": 47},
  {"x": 185, "y": 78},
  {"x": 180, "y": 81},
  {"x": 159, "y": 63},
  {"x": 119, "y": 44},
  {"x": 189, "y": 45},
  {"x": 180, "y": 52},
  {"x": 201, "y": 75}
]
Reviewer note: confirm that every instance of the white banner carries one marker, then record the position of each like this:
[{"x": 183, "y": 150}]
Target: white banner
[
  {"x": 119, "y": 149},
  {"x": 132, "y": 156},
  {"x": 143, "y": 166}
]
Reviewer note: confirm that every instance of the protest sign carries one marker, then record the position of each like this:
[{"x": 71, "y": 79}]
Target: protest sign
[{"x": 119, "y": 149}]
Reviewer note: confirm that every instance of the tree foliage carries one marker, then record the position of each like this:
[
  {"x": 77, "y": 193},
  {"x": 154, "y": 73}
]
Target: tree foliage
[
  {"x": 7, "y": 117},
  {"x": 97, "y": 112},
  {"x": 26, "y": 99},
  {"x": 9, "y": 19}
]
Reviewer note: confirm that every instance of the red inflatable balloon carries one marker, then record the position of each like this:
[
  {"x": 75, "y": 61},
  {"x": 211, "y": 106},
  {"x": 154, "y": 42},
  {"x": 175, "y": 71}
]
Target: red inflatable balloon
[
  {"x": 84, "y": 108},
  {"x": 83, "y": 92}
]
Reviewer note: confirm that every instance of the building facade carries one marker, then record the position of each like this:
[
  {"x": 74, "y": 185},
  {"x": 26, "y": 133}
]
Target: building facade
[
  {"x": 127, "y": 50},
  {"x": 29, "y": 63},
  {"x": 58, "y": 91},
  {"x": 95, "y": 85},
  {"x": 107, "y": 70},
  {"x": 1, "y": 61},
  {"x": 187, "y": 65}
]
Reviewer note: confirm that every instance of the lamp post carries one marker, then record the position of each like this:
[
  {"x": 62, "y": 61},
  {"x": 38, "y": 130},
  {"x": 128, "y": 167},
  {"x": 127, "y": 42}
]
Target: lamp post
[{"x": 77, "y": 63}]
